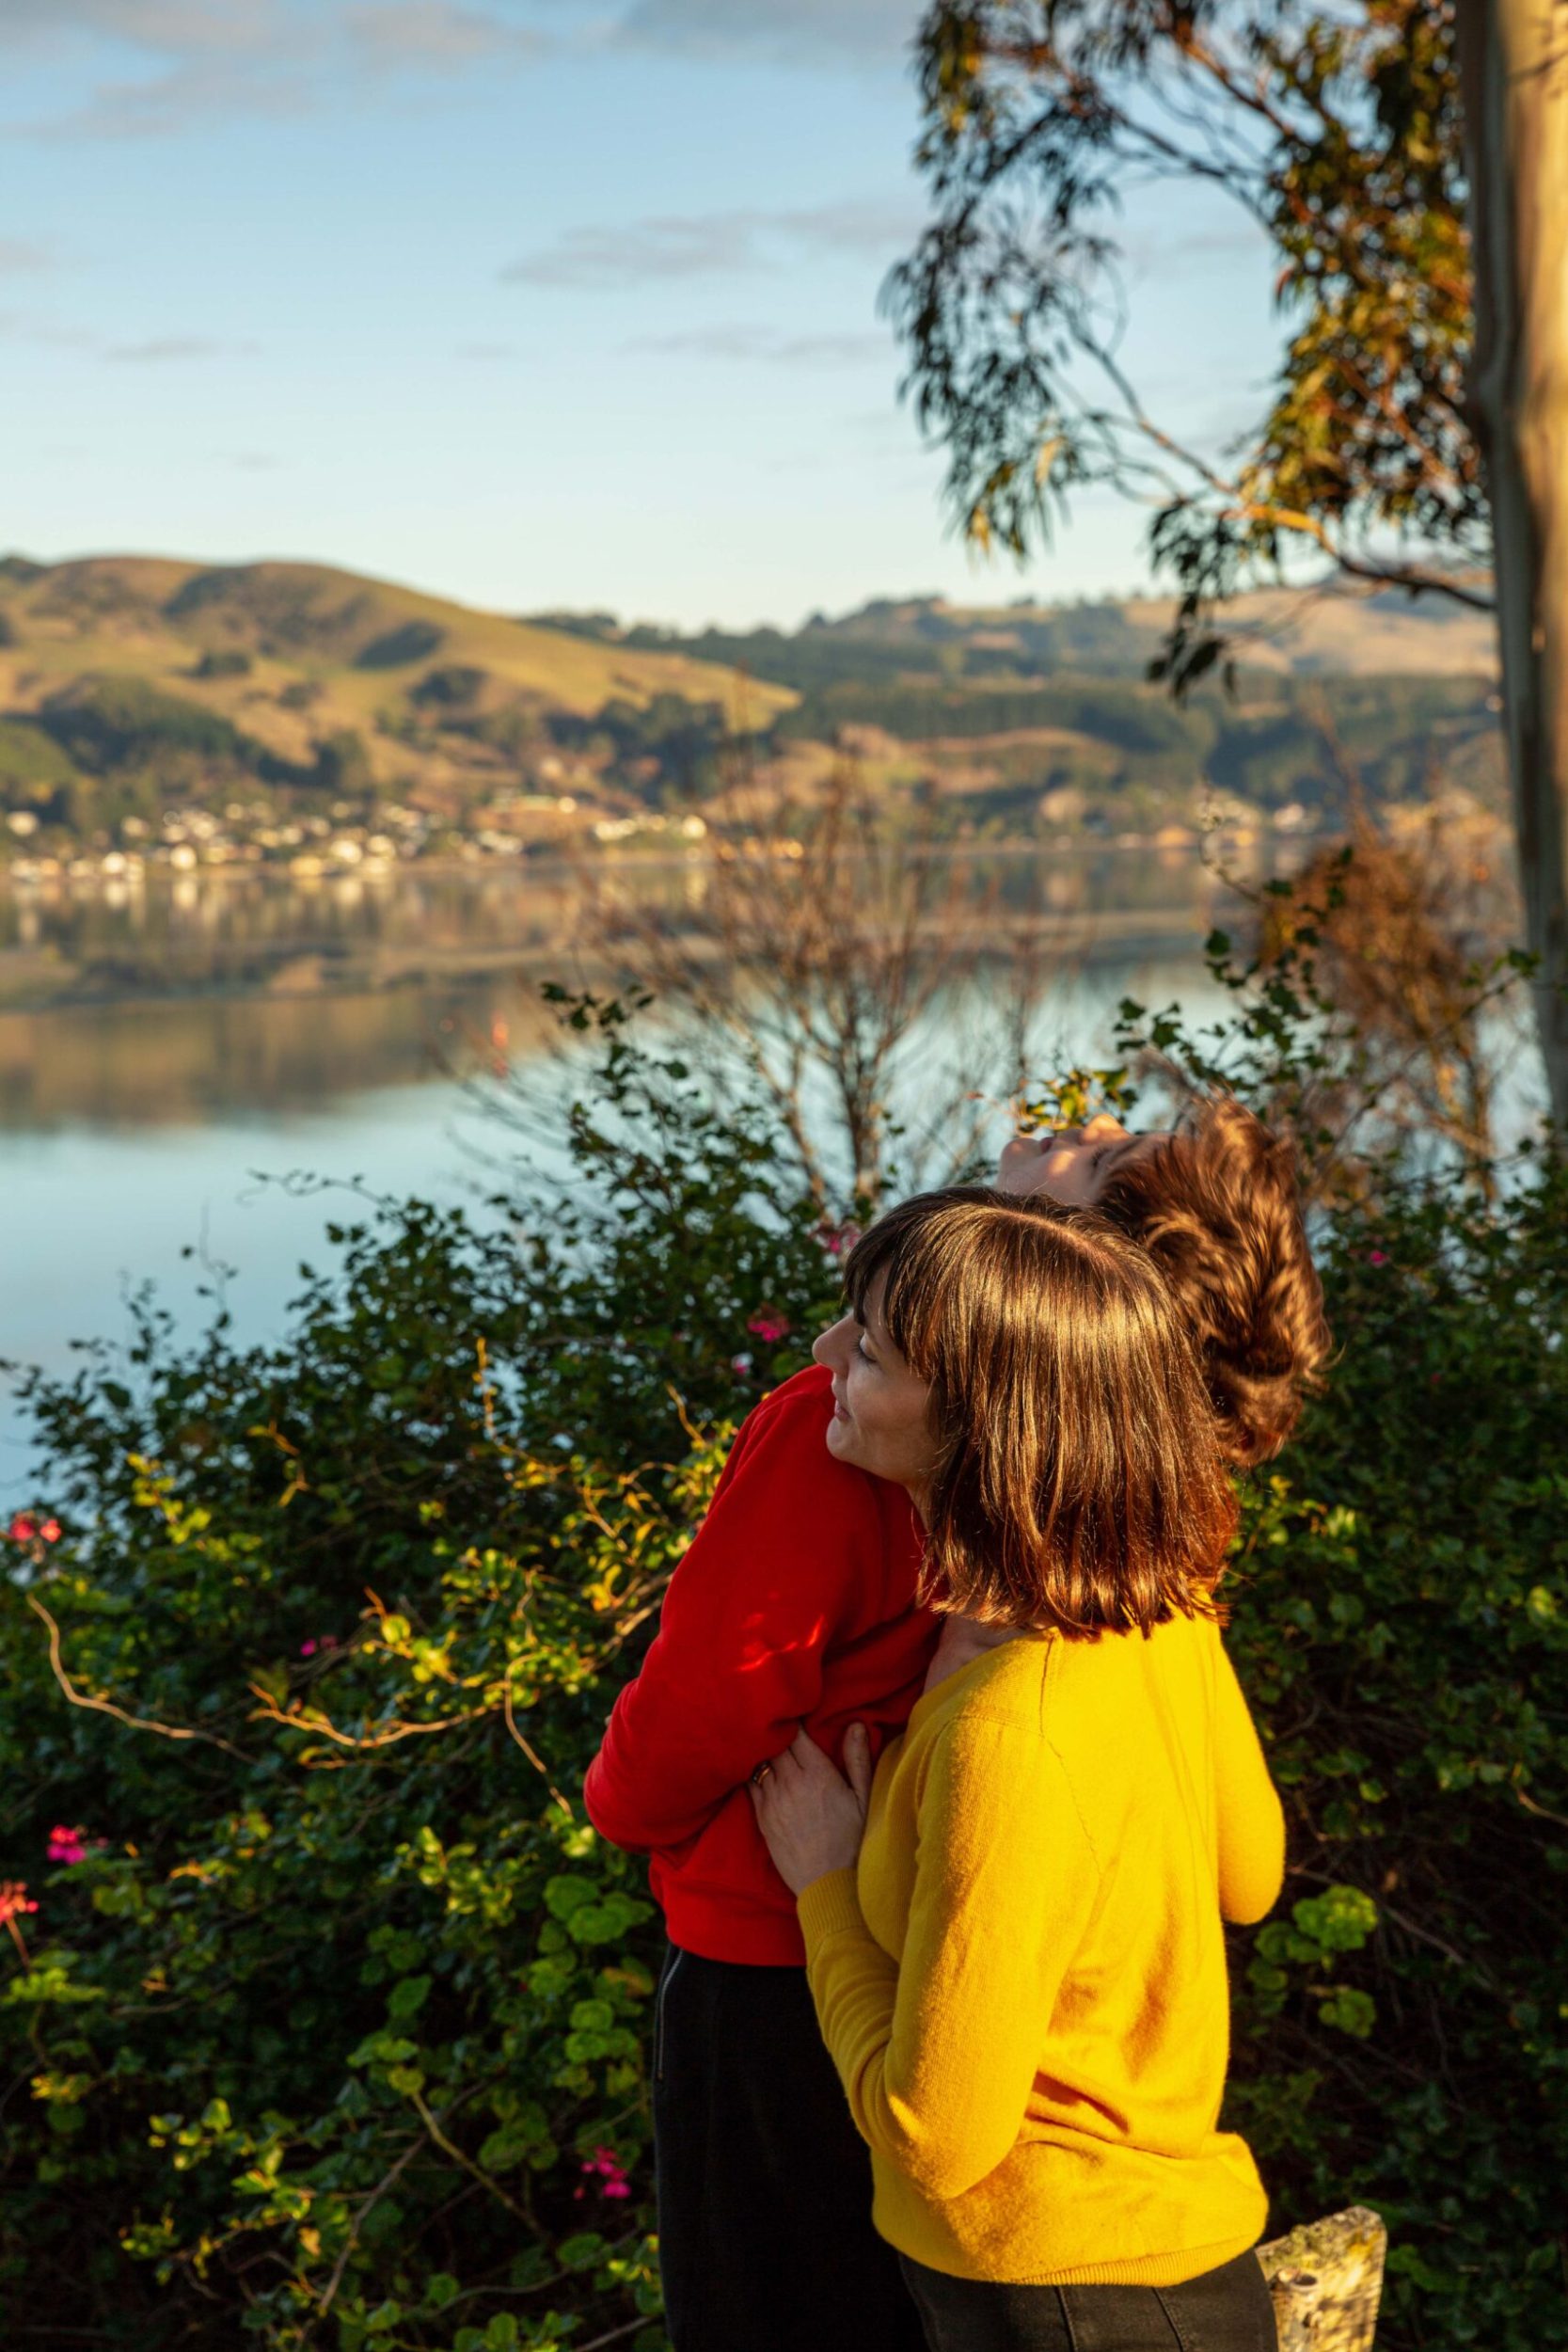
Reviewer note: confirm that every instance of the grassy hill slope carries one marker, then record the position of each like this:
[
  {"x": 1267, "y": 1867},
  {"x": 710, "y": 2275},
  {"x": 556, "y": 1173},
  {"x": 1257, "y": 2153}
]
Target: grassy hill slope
[
  {"x": 287, "y": 700},
  {"x": 125, "y": 680}
]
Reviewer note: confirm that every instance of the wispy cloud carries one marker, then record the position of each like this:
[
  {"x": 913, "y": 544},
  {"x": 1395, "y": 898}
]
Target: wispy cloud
[
  {"x": 807, "y": 31},
  {"x": 764, "y": 343},
  {"x": 26, "y": 326},
  {"x": 210, "y": 60},
  {"x": 207, "y": 61},
  {"x": 190, "y": 96},
  {"x": 17, "y": 256},
  {"x": 709, "y": 245},
  {"x": 164, "y": 347},
  {"x": 164, "y": 28},
  {"x": 435, "y": 33}
]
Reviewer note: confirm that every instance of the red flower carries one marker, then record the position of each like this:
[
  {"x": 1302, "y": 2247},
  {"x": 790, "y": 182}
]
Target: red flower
[
  {"x": 22, "y": 1528},
  {"x": 50, "y": 1531},
  {"x": 68, "y": 1845},
  {"x": 769, "y": 1325},
  {"x": 14, "y": 1901}
]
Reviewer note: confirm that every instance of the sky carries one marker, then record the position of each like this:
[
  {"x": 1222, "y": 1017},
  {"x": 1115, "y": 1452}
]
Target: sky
[{"x": 531, "y": 303}]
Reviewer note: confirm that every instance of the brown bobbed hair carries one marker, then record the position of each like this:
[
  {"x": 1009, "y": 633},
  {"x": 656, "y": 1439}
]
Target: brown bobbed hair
[
  {"x": 1078, "y": 1483},
  {"x": 1217, "y": 1207}
]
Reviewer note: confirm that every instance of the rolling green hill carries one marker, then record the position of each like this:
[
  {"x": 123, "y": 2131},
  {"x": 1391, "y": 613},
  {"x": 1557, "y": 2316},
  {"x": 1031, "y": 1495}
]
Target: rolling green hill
[
  {"x": 279, "y": 696},
  {"x": 126, "y": 682}
]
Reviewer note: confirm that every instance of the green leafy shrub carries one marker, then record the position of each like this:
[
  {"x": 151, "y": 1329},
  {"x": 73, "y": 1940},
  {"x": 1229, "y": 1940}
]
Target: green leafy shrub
[
  {"x": 110, "y": 722},
  {"x": 331, "y": 2025},
  {"x": 412, "y": 641}
]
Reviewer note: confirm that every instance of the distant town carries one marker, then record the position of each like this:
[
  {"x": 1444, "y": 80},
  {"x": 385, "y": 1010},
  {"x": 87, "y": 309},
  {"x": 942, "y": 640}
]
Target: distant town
[{"x": 162, "y": 719}]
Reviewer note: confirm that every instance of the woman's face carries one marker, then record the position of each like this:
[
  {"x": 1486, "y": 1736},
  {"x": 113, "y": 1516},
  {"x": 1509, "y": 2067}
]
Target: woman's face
[
  {"x": 882, "y": 1411},
  {"x": 1071, "y": 1164}
]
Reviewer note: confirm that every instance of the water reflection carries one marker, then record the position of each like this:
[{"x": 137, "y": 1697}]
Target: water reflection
[{"x": 240, "y": 995}]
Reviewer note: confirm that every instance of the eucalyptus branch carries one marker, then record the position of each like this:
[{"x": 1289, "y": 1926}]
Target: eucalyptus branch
[{"x": 107, "y": 1707}]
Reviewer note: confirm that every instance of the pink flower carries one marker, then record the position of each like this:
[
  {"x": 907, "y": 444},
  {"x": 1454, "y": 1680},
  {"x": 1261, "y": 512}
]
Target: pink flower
[
  {"x": 837, "y": 1239},
  {"x": 740, "y": 1366},
  {"x": 769, "y": 1325},
  {"x": 68, "y": 1845},
  {"x": 22, "y": 1528},
  {"x": 50, "y": 1531},
  {"x": 307, "y": 1649},
  {"x": 611, "y": 2173},
  {"x": 1377, "y": 1256}
]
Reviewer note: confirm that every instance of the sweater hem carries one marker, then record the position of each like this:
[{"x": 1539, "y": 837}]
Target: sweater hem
[
  {"x": 1174, "y": 2269},
  {"x": 711, "y": 1931}
]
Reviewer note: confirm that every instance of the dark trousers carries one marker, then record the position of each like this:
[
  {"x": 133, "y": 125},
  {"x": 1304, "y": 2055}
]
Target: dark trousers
[
  {"x": 1227, "y": 2309},
  {"x": 765, "y": 2235}
]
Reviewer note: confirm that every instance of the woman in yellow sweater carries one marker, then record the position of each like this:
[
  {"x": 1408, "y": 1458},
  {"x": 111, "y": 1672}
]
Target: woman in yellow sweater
[{"x": 1013, "y": 1930}]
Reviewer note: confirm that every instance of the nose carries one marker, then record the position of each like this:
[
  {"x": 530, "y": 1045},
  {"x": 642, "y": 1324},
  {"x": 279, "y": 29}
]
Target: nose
[
  {"x": 1104, "y": 1123},
  {"x": 828, "y": 1347}
]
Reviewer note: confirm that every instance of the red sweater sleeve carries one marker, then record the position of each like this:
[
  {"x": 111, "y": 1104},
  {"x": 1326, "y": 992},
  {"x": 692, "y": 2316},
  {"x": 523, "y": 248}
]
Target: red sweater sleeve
[{"x": 787, "y": 1560}]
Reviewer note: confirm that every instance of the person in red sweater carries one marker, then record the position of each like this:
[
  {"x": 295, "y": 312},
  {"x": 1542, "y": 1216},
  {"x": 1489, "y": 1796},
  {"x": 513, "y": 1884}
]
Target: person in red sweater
[{"x": 797, "y": 1606}]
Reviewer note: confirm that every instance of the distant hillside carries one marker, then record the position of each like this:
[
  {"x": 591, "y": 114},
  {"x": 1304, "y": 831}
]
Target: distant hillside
[
  {"x": 127, "y": 682},
  {"x": 1026, "y": 714},
  {"x": 156, "y": 708},
  {"x": 1340, "y": 630}
]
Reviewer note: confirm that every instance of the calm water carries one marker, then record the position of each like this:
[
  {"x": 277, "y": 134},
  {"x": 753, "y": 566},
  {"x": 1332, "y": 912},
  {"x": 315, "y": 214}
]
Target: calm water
[{"x": 133, "y": 1132}]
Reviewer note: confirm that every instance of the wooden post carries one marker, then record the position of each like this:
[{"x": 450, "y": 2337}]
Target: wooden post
[{"x": 1326, "y": 2280}]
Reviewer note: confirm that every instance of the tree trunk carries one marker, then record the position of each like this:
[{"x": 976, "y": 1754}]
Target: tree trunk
[{"x": 1514, "y": 72}]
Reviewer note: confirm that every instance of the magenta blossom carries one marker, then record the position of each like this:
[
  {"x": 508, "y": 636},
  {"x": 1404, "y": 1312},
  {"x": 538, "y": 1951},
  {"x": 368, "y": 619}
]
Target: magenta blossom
[
  {"x": 605, "y": 2165},
  {"x": 768, "y": 1325},
  {"x": 742, "y": 1367},
  {"x": 1377, "y": 1256},
  {"x": 68, "y": 1845},
  {"x": 837, "y": 1239}
]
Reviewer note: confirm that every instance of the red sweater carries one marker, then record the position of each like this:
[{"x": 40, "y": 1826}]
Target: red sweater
[{"x": 795, "y": 1604}]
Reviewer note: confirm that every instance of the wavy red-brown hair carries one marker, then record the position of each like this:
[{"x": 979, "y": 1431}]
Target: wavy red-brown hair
[
  {"x": 1078, "y": 1481},
  {"x": 1218, "y": 1208}
]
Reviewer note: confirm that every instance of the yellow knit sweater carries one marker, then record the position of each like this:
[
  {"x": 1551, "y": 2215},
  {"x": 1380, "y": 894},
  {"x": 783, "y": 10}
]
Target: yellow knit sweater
[{"x": 1023, "y": 1985}]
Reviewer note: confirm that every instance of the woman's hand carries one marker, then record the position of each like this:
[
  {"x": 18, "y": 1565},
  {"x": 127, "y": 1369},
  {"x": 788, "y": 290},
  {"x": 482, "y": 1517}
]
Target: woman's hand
[{"x": 811, "y": 1817}]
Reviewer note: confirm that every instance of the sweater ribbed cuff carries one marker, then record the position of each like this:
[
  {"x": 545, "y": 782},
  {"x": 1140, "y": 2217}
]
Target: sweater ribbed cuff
[{"x": 826, "y": 1906}]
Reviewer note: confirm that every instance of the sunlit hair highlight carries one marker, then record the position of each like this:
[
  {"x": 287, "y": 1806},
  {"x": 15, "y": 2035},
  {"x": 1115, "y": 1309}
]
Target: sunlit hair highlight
[
  {"x": 1218, "y": 1208},
  {"x": 1078, "y": 1481}
]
